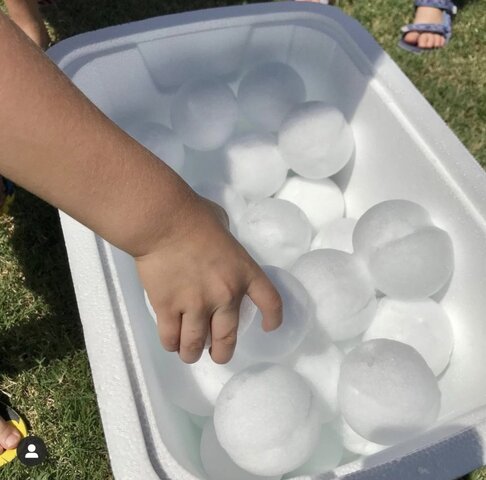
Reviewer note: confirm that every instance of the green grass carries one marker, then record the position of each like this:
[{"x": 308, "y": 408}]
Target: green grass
[
  {"x": 453, "y": 79},
  {"x": 44, "y": 370}
]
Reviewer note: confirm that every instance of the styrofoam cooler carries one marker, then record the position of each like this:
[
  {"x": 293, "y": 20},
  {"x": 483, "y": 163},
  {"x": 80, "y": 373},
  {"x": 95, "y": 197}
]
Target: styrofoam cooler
[{"x": 403, "y": 150}]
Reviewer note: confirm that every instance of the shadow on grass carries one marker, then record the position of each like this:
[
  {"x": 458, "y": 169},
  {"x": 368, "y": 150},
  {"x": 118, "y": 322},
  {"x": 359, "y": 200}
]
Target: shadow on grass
[
  {"x": 56, "y": 331},
  {"x": 463, "y": 3},
  {"x": 72, "y": 17}
]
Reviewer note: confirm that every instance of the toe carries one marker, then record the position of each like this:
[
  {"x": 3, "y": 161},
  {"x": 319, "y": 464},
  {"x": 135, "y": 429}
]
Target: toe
[
  {"x": 437, "y": 41},
  {"x": 411, "y": 38},
  {"x": 9, "y": 435},
  {"x": 422, "y": 41},
  {"x": 429, "y": 40}
]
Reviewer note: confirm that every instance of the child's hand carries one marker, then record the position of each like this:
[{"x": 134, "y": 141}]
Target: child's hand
[
  {"x": 61, "y": 147},
  {"x": 195, "y": 281}
]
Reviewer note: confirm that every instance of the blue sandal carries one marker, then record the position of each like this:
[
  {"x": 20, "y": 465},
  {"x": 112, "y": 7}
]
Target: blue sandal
[{"x": 444, "y": 28}]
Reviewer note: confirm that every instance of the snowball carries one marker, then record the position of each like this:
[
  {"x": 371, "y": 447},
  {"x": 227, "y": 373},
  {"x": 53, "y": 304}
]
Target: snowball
[
  {"x": 268, "y": 93},
  {"x": 354, "y": 442},
  {"x": 387, "y": 392},
  {"x": 408, "y": 257},
  {"x": 337, "y": 234},
  {"x": 296, "y": 321},
  {"x": 253, "y": 165},
  {"x": 195, "y": 387},
  {"x": 321, "y": 200},
  {"x": 217, "y": 463},
  {"x": 327, "y": 455},
  {"x": 275, "y": 232},
  {"x": 267, "y": 420},
  {"x": 319, "y": 362},
  {"x": 342, "y": 291},
  {"x": 226, "y": 197},
  {"x": 316, "y": 140},
  {"x": 204, "y": 113},
  {"x": 422, "y": 324}
]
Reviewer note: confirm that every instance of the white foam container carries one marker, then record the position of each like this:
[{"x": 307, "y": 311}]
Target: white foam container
[{"x": 403, "y": 150}]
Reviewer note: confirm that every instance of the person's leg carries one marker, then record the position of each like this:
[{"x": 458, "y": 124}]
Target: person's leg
[
  {"x": 26, "y": 14},
  {"x": 426, "y": 40}
]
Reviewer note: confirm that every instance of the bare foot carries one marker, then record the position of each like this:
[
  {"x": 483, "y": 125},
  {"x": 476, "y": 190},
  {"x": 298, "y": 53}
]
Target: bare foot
[
  {"x": 426, "y": 40},
  {"x": 26, "y": 14}
]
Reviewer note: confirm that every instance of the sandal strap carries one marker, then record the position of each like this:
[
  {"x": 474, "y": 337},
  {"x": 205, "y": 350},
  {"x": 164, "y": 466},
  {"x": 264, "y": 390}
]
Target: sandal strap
[
  {"x": 445, "y": 5},
  {"x": 438, "y": 28}
]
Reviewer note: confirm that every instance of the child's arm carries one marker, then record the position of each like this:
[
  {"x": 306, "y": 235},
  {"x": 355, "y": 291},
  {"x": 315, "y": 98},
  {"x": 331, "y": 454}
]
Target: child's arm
[{"x": 58, "y": 145}]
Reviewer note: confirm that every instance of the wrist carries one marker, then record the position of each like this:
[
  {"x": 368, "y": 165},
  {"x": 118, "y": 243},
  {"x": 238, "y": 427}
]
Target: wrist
[{"x": 163, "y": 221}]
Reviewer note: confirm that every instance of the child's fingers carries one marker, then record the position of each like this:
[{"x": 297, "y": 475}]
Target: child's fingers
[
  {"x": 169, "y": 327},
  {"x": 9, "y": 435},
  {"x": 224, "y": 327},
  {"x": 266, "y": 297},
  {"x": 194, "y": 331}
]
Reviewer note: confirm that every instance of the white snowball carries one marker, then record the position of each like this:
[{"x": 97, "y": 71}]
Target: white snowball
[
  {"x": 422, "y": 324},
  {"x": 268, "y": 93},
  {"x": 408, "y": 257},
  {"x": 253, "y": 165},
  {"x": 275, "y": 232},
  {"x": 337, "y": 234},
  {"x": 386, "y": 222},
  {"x": 161, "y": 141},
  {"x": 387, "y": 392},
  {"x": 316, "y": 140},
  {"x": 195, "y": 387},
  {"x": 296, "y": 322},
  {"x": 414, "y": 267},
  {"x": 327, "y": 455},
  {"x": 204, "y": 113},
  {"x": 267, "y": 420},
  {"x": 321, "y": 200},
  {"x": 354, "y": 442},
  {"x": 217, "y": 463},
  {"x": 225, "y": 196},
  {"x": 319, "y": 362},
  {"x": 342, "y": 291}
]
